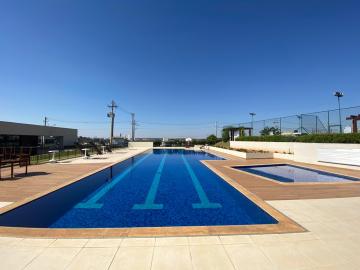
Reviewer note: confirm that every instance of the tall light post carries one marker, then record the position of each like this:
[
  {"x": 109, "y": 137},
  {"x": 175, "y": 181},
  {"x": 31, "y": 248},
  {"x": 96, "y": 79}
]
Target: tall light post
[
  {"x": 339, "y": 95},
  {"x": 252, "y": 114}
]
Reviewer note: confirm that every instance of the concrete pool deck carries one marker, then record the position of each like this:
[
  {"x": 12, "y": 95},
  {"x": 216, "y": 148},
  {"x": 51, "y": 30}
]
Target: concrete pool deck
[{"x": 332, "y": 240}]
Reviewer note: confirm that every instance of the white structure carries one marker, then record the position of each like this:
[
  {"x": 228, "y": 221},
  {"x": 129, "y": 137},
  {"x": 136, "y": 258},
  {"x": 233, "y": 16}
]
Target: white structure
[
  {"x": 315, "y": 153},
  {"x": 141, "y": 144}
]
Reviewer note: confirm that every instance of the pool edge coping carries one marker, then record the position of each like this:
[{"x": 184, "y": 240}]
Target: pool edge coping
[{"x": 284, "y": 225}]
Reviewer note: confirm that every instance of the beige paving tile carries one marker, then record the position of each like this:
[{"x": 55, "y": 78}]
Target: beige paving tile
[
  {"x": 248, "y": 257},
  {"x": 138, "y": 242},
  {"x": 264, "y": 238},
  {"x": 9, "y": 241},
  {"x": 138, "y": 258},
  {"x": 208, "y": 257},
  {"x": 349, "y": 227},
  {"x": 319, "y": 253},
  {"x": 322, "y": 230},
  {"x": 13, "y": 258},
  {"x": 35, "y": 242},
  {"x": 298, "y": 215},
  {"x": 290, "y": 237},
  {"x": 285, "y": 256},
  {"x": 345, "y": 248},
  {"x": 171, "y": 241},
  {"x": 347, "y": 266},
  {"x": 69, "y": 243},
  {"x": 93, "y": 258},
  {"x": 235, "y": 239},
  {"x": 53, "y": 259},
  {"x": 106, "y": 242},
  {"x": 204, "y": 240},
  {"x": 171, "y": 257}
]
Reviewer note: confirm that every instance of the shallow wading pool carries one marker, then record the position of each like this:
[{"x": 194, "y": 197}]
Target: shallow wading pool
[{"x": 294, "y": 174}]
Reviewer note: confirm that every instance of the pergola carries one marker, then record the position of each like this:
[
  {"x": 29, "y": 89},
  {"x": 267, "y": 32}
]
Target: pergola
[
  {"x": 354, "y": 119},
  {"x": 241, "y": 131}
]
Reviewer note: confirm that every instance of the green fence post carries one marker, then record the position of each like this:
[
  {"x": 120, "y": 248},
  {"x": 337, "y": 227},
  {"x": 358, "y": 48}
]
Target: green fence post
[{"x": 280, "y": 125}]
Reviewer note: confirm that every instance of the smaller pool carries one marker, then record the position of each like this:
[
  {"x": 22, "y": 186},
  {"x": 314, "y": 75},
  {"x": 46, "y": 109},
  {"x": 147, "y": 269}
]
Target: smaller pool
[{"x": 294, "y": 174}]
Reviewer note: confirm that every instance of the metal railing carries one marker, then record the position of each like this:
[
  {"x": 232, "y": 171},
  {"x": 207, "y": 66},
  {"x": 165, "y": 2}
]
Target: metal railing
[
  {"x": 308, "y": 123},
  {"x": 45, "y": 156},
  {"x": 61, "y": 155}
]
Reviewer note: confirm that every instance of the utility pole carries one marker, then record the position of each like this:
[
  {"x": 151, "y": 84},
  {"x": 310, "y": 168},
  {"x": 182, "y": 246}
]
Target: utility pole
[
  {"x": 216, "y": 129},
  {"x": 46, "y": 122},
  {"x": 112, "y": 116},
  {"x": 133, "y": 123}
]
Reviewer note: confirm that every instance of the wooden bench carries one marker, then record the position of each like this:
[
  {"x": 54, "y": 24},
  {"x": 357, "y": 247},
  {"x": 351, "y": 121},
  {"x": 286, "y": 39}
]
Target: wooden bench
[{"x": 22, "y": 161}]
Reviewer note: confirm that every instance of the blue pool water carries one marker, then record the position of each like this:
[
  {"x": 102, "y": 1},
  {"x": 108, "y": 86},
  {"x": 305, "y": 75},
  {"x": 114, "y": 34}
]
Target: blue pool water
[
  {"x": 153, "y": 189},
  {"x": 290, "y": 174}
]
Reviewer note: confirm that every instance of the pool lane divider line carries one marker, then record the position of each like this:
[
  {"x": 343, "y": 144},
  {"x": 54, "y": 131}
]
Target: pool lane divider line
[
  {"x": 205, "y": 203},
  {"x": 150, "y": 197},
  {"x": 92, "y": 202}
]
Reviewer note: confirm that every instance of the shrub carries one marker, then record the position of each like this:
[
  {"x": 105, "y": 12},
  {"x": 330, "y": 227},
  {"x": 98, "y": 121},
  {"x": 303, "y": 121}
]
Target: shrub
[
  {"x": 310, "y": 138},
  {"x": 330, "y": 138},
  {"x": 211, "y": 140},
  {"x": 225, "y": 145},
  {"x": 275, "y": 138},
  {"x": 270, "y": 131}
]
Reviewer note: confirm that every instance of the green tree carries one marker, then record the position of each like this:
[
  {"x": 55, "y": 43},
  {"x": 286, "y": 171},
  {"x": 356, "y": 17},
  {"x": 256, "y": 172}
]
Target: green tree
[
  {"x": 211, "y": 139},
  {"x": 270, "y": 131},
  {"x": 225, "y": 135}
]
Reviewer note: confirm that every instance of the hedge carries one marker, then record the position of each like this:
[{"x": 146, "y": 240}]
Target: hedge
[{"x": 312, "y": 138}]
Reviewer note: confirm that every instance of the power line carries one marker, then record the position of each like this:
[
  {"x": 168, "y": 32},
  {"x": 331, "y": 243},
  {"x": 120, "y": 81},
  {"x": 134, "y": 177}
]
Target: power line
[
  {"x": 88, "y": 122},
  {"x": 122, "y": 122},
  {"x": 124, "y": 110},
  {"x": 176, "y": 124}
]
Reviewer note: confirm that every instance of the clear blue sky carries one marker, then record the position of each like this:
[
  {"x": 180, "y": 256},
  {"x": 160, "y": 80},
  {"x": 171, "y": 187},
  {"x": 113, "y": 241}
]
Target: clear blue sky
[{"x": 184, "y": 62}]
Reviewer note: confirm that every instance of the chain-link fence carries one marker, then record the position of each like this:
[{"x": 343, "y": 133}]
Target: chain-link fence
[{"x": 331, "y": 121}]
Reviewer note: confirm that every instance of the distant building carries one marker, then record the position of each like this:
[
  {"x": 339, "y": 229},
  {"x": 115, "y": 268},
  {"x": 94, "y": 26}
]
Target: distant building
[{"x": 28, "y": 135}]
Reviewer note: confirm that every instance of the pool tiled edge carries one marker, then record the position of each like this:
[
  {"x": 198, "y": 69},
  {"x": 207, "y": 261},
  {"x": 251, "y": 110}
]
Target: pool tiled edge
[{"x": 285, "y": 224}]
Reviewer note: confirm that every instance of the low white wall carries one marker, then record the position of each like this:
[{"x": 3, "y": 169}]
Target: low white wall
[
  {"x": 301, "y": 152},
  {"x": 281, "y": 147},
  {"x": 140, "y": 144},
  {"x": 245, "y": 155},
  {"x": 308, "y": 152},
  {"x": 226, "y": 151},
  {"x": 284, "y": 156}
]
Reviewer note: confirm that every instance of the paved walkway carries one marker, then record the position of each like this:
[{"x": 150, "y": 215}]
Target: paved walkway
[
  {"x": 333, "y": 242},
  {"x": 45, "y": 176}
]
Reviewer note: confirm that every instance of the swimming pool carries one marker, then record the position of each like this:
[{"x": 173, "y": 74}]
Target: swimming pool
[
  {"x": 155, "y": 189},
  {"x": 294, "y": 174}
]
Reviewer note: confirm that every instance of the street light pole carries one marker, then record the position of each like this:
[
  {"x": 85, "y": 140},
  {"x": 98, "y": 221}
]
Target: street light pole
[{"x": 339, "y": 95}]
